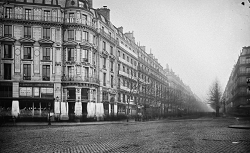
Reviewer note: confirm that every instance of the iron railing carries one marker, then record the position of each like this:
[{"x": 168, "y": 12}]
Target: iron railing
[
  {"x": 80, "y": 79},
  {"x": 26, "y": 17}
]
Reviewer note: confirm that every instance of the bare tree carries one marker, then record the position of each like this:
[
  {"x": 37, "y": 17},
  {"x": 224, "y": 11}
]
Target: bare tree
[{"x": 214, "y": 96}]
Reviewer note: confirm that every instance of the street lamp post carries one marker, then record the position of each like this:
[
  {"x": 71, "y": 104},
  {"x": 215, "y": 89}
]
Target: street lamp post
[
  {"x": 57, "y": 99},
  {"x": 49, "y": 123}
]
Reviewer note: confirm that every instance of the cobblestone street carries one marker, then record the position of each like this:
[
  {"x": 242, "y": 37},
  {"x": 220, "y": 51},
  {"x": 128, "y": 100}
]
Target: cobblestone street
[{"x": 197, "y": 135}]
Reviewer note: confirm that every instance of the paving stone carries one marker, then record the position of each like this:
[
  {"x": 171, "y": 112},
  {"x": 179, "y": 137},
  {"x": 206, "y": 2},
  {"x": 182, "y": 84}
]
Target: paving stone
[{"x": 200, "y": 135}]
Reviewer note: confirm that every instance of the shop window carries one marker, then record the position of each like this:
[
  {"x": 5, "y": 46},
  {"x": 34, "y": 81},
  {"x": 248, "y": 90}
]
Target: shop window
[
  {"x": 26, "y": 72},
  {"x": 5, "y": 91},
  {"x": 84, "y": 94},
  {"x": 5, "y": 107},
  {"x": 7, "y": 71},
  {"x": 7, "y": 51}
]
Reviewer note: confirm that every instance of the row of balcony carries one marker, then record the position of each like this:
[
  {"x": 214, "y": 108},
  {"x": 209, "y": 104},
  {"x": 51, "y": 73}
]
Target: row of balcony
[
  {"x": 30, "y": 17},
  {"x": 80, "y": 78},
  {"x": 108, "y": 36}
]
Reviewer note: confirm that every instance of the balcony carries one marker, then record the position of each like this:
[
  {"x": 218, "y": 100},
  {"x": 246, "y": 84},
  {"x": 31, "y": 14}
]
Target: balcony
[
  {"x": 72, "y": 20},
  {"x": 46, "y": 78},
  {"x": 46, "y": 58},
  {"x": 108, "y": 36},
  {"x": 80, "y": 79},
  {"x": 39, "y": 18},
  {"x": 26, "y": 77}
]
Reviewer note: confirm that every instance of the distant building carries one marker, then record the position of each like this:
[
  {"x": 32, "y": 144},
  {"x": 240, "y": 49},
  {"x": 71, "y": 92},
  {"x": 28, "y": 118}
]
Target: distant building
[{"x": 237, "y": 93}]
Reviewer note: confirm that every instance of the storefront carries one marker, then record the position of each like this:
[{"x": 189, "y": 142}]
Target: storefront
[{"x": 36, "y": 100}]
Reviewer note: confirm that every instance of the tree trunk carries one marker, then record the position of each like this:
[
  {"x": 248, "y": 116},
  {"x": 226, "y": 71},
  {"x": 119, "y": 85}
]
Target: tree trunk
[{"x": 217, "y": 111}]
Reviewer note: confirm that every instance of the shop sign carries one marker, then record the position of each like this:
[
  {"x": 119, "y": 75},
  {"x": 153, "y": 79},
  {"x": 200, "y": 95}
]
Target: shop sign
[
  {"x": 47, "y": 90},
  {"x": 36, "y": 91},
  {"x": 51, "y": 85},
  {"x": 5, "y": 84},
  {"x": 26, "y": 91}
]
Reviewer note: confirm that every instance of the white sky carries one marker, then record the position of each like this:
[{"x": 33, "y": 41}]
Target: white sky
[{"x": 199, "y": 39}]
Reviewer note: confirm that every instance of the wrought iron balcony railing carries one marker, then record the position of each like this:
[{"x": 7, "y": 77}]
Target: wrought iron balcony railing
[
  {"x": 79, "y": 21},
  {"x": 46, "y": 78},
  {"x": 80, "y": 79},
  {"x": 18, "y": 16}
]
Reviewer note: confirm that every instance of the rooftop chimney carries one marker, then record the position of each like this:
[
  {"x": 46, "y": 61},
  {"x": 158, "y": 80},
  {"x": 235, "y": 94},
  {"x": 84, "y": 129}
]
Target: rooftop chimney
[
  {"x": 90, "y": 2},
  {"x": 104, "y": 12},
  {"x": 130, "y": 35},
  {"x": 120, "y": 29}
]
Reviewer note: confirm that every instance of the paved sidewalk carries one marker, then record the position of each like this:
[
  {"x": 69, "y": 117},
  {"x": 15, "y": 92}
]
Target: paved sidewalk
[{"x": 241, "y": 123}]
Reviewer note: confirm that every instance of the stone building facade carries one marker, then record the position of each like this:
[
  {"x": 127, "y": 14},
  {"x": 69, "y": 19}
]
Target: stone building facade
[
  {"x": 67, "y": 58},
  {"x": 236, "y": 96}
]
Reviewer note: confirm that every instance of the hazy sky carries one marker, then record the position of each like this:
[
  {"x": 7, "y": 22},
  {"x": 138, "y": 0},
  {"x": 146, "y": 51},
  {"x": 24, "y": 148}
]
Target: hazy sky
[{"x": 199, "y": 39}]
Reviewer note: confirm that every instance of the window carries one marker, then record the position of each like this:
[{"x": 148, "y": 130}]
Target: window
[
  {"x": 27, "y": 53},
  {"x": 70, "y": 34},
  {"x": 7, "y": 51},
  {"x": 46, "y": 72},
  {"x": 8, "y": 12},
  {"x": 123, "y": 56},
  {"x": 85, "y": 36},
  {"x": 27, "y": 31},
  {"x": 47, "y": 15},
  {"x": 123, "y": 67},
  {"x": 131, "y": 61},
  {"x": 111, "y": 50},
  {"x": 46, "y": 33},
  {"x": 46, "y": 54},
  {"x": 71, "y": 72},
  {"x": 26, "y": 71},
  {"x": 85, "y": 55},
  {"x": 86, "y": 72},
  {"x": 247, "y": 60},
  {"x": 112, "y": 80},
  {"x": 70, "y": 54},
  {"x": 104, "y": 45},
  {"x": 104, "y": 79},
  {"x": 7, "y": 71},
  {"x": 119, "y": 54},
  {"x": 104, "y": 62},
  {"x": 27, "y": 14},
  {"x": 111, "y": 66},
  {"x": 128, "y": 70},
  {"x": 119, "y": 67},
  {"x": 7, "y": 30},
  {"x": 81, "y": 4},
  {"x": 71, "y": 17},
  {"x": 84, "y": 19}
]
